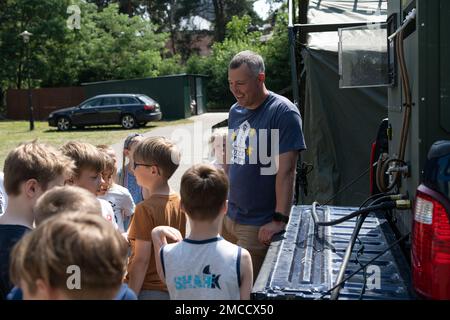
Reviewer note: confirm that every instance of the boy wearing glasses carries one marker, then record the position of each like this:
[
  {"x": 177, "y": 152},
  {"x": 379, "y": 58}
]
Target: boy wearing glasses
[{"x": 155, "y": 160}]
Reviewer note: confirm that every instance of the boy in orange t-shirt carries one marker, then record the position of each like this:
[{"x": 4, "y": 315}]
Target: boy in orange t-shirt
[{"x": 155, "y": 160}]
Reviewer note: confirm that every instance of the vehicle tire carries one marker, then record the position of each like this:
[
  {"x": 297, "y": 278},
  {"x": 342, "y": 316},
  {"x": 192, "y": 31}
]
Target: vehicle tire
[
  {"x": 128, "y": 121},
  {"x": 63, "y": 124}
]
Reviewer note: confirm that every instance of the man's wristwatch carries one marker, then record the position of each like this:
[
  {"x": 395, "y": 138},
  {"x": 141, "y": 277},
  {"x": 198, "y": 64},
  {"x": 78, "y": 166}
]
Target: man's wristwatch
[{"x": 279, "y": 217}]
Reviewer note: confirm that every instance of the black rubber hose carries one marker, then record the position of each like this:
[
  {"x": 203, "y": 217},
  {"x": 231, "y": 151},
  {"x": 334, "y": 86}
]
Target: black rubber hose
[
  {"x": 372, "y": 197},
  {"x": 382, "y": 206},
  {"x": 366, "y": 264},
  {"x": 348, "y": 252},
  {"x": 385, "y": 202}
]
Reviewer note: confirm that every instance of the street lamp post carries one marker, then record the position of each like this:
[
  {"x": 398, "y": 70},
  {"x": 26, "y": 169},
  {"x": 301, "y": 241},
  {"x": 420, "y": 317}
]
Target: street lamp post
[{"x": 26, "y": 39}]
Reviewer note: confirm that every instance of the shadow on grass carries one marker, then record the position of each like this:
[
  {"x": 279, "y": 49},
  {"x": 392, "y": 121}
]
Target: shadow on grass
[{"x": 100, "y": 128}]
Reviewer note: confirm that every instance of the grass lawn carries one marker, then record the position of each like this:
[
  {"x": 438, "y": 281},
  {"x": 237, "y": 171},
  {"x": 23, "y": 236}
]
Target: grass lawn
[{"x": 13, "y": 133}]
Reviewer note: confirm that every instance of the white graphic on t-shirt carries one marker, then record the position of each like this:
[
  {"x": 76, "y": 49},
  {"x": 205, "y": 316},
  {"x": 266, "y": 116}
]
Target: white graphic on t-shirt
[{"x": 239, "y": 145}]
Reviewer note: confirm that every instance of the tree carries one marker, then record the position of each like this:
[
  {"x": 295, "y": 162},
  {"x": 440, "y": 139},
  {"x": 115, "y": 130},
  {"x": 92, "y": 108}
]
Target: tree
[
  {"x": 108, "y": 45},
  {"x": 220, "y": 11},
  {"x": 115, "y": 46},
  {"x": 112, "y": 45},
  {"x": 238, "y": 37},
  {"x": 129, "y": 7},
  {"x": 167, "y": 15},
  {"x": 45, "y": 20},
  {"x": 276, "y": 56}
]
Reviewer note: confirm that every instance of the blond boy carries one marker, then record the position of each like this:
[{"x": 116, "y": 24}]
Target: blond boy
[
  {"x": 155, "y": 160},
  {"x": 45, "y": 264},
  {"x": 89, "y": 165},
  {"x": 218, "y": 148},
  {"x": 30, "y": 169}
]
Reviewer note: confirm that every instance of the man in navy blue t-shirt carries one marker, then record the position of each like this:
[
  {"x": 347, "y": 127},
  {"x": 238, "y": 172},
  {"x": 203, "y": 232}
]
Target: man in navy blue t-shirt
[{"x": 265, "y": 137}]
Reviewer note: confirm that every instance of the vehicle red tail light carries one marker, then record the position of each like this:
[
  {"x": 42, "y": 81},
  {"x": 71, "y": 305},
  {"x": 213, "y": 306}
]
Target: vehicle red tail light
[
  {"x": 149, "y": 108},
  {"x": 431, "y": 246}
]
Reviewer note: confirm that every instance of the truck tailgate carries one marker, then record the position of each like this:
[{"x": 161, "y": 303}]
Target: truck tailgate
[{"x": 303, "y": 263}]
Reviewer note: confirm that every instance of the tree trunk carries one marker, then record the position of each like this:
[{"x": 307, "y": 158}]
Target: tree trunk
[
  {"x": 219, "y": 27},
  {"x": 130, "y": 9},
  {"x": 172, "y": 25}
]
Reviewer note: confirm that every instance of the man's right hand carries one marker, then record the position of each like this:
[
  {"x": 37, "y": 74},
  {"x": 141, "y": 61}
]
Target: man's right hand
[{"x": 267, "y": 231}]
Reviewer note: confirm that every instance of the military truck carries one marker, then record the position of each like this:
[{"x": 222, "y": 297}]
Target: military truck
[{"x": 377, "y": 103}]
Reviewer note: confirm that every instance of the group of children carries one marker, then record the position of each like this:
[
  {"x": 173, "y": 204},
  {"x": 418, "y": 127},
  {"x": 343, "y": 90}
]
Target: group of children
[{"x": 75, "y": 228}]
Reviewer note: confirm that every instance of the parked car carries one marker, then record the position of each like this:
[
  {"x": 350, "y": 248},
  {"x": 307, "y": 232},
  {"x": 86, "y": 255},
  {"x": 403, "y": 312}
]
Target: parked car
[{"x": 128, "y": 110}]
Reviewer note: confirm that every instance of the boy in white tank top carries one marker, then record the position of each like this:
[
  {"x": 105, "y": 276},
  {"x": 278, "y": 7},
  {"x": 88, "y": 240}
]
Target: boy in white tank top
[{"x": 204, "y": 265}]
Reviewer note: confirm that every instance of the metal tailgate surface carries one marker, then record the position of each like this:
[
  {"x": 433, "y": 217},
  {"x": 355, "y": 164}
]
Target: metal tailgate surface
[{"x": 304, "y": 262}]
